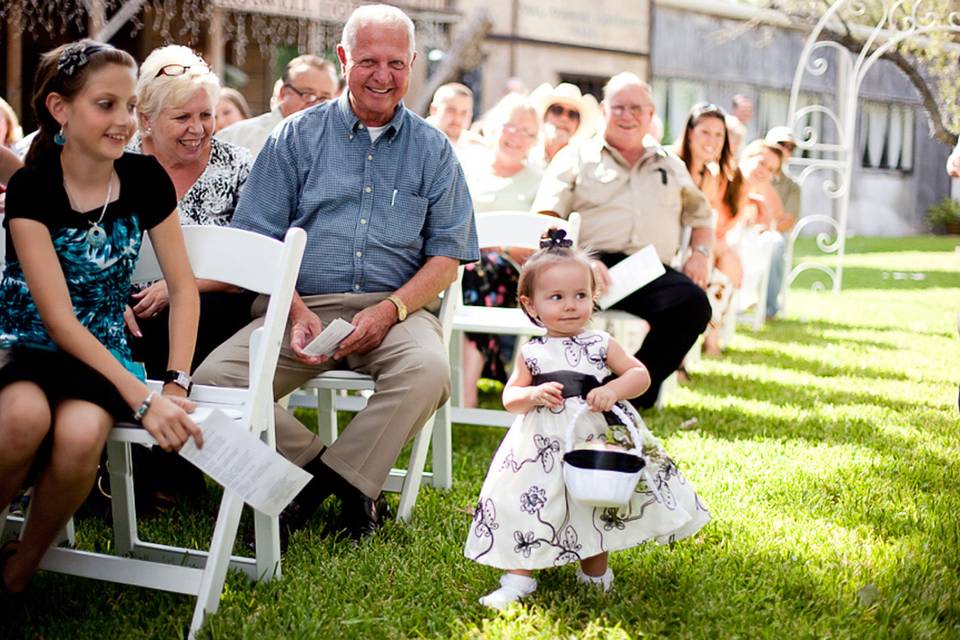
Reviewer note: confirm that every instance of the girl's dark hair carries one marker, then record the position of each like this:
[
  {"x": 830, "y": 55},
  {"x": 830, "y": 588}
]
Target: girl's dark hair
[
  {"x": 65, "y": 71},
  {"x": 555, "y": 250}
]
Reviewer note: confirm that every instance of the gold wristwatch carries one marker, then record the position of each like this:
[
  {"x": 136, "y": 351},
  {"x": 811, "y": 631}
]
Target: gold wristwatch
[{"x": 401, "y": 308}]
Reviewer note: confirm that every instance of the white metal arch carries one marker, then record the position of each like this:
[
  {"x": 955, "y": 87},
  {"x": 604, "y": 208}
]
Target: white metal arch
[{"x": 899, "y": 21}]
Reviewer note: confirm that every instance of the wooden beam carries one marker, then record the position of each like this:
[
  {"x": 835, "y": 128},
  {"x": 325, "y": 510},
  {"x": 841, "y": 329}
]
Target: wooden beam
[
  {"x": 14, "y": 89},
  {"x": 120, "y": 18},
  {"x": 215, "y": 43},
  {"x": 96, "y": 16}
]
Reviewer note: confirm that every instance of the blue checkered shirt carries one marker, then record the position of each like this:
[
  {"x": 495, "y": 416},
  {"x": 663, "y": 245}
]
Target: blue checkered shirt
[{"x": 373, "y": 212}]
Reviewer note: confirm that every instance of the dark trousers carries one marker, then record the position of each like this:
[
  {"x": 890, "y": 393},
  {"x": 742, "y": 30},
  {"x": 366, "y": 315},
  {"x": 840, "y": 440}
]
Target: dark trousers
[
  {"x": 222, "y": 314},
  {"x": 677, "y": 310}
]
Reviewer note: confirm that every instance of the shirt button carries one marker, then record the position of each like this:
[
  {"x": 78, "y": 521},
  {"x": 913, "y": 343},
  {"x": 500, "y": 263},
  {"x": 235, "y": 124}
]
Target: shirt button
[
  {"x": 359, "y": 254},
  {"x": 351, "y": 136},
  {"x": 359, "y": 126},
  {"x": 363, "y": 221},
  {"x": 370, "y": 157},
  {"x": 356, "y": 287},
  {"x": 367, "y": 189}
]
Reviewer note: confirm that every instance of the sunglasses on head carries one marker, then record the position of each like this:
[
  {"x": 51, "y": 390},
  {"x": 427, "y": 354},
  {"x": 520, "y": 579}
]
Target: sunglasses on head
[
  {"x": 180, "y": 69},
  {"x": 559, "y": 110}
]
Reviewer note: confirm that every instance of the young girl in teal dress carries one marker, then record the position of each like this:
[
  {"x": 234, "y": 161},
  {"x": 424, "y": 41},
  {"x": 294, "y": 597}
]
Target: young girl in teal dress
[
  {"x": 525, "y": 519},
  {"x": 75, "y": 215}
]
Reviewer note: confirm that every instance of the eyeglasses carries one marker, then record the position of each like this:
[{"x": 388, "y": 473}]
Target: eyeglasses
[
  {"x": 306, "y": 96},
  {"x": 512, "y": 128},
  {"x": 559, "y": 110},
  {"x": 174, "y": 70},
  {"x": 706, "y": 109},
  {"x": 636, "y": 110}
]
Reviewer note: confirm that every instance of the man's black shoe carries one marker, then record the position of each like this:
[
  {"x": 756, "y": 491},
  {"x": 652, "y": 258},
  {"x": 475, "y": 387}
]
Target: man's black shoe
[
  {"x": 296, "y": 514},
  {"x": 362, "y": 516}
]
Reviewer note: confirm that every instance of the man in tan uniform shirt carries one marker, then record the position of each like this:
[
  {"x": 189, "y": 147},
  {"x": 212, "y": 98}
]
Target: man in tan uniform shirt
[{"x": 630, "y": 195}]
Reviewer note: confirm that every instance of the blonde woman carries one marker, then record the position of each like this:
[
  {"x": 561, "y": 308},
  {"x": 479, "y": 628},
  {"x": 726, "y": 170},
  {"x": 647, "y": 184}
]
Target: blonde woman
[{"x": 505, "y": 181}]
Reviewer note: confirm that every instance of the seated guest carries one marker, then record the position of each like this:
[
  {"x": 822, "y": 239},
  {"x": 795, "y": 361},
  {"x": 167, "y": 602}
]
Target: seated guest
[
  {"x": 451, "y": 111},
  {"x": 630, "y": 195},
  {"x": 790, "y": 197},
  {"x": 10, "y": 131},
  {"x": 307, "y": 80},
  {"x": 704, "y": 147},
  {"x": 953, "y": 162},
  {"x": 176, "y": 98},
  {"x": 389, "y": 217},
  {"x": 505, "y": 182},
  {"x": 75, "y": 217},
  {"x": 567, "y": 115},
  {"x": 231, "y": 108}
]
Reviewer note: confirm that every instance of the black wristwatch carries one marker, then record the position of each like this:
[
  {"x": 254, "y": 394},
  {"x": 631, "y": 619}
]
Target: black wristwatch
[{"x": 179, "y": 378}]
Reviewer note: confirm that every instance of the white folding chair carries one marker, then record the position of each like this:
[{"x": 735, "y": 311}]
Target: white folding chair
[
  {"x": 257, "y": 263},
  {"x": 520, "y": 229},
  {"x": 405, "y": 481}
]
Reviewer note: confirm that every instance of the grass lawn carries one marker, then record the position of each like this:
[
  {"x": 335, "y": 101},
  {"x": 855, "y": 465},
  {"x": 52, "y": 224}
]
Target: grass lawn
[{"x": 827, "y": 446}]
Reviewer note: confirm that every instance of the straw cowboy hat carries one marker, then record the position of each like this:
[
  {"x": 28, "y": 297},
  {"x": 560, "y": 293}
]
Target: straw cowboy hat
[{"x": 568, "y": 95}]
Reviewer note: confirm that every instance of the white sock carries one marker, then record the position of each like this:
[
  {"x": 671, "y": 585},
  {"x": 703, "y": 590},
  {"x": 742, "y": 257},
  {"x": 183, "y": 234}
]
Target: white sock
[
  {"x": 605, "y": 581},
  {"x": 512, "y": 588}
]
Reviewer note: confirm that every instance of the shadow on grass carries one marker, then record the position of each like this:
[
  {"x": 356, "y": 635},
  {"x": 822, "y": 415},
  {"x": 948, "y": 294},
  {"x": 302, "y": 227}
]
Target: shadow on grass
[
  {"x": 885, "y": 279},
  {"x": 774, "y": 358}
]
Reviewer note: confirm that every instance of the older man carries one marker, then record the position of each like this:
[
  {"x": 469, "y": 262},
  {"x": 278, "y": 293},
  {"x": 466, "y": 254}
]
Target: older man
[
  {"x": 307, "y": 80},
  {"x": 630, "y": 195},
  {"x": 389, "y": 217}
]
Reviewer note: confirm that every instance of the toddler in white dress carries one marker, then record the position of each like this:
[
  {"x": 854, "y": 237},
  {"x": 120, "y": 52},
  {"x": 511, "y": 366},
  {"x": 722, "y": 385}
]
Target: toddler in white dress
[{"x": 525, "y": 519}]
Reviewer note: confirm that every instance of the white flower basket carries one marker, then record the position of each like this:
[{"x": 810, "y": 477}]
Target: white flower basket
[{"x": 598, "y": 477}]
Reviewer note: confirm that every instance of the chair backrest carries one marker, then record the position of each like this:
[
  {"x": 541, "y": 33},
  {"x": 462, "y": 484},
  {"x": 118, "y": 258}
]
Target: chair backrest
[
  {"x": 254, "y": 262},
  {"x": 521, "y": 228}
]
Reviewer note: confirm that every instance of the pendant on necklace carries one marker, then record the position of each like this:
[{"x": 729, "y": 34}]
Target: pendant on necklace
[{"x": 96, "y": 235}]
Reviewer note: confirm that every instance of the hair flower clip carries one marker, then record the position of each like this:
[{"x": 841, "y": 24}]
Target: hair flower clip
[
  {"x": 73, "y": 57},
  {"x": 555, "y": 238}
]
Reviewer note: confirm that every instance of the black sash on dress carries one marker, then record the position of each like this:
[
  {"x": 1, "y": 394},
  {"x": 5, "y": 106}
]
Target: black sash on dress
[{"x": 578, "y": 385}]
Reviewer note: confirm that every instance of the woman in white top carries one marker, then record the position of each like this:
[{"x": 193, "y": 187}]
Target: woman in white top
[{"x": 504, "y": 180}]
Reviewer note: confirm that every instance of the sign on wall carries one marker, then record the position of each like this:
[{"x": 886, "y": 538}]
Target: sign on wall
[{"x": 612, "y": 24}]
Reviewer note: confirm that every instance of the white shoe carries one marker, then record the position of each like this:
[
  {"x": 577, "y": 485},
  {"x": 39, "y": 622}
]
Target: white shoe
[
  {"x": 513, "y": 587},
  {"x": 605, "y": 581}
]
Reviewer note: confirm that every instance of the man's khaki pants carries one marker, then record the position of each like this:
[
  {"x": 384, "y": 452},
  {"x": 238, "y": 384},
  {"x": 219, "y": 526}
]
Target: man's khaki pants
[{"x": 410, "y": 370}]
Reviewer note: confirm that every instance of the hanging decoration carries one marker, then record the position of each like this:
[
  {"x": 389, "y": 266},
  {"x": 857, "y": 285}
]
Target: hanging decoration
[{"x": 309, "y": 25}]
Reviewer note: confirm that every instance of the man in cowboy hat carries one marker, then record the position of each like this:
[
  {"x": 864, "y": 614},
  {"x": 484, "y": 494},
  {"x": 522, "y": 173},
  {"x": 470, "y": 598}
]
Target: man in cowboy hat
[
  {"x": 566, "y": 114},
  {"x": 789, "y": 192}
]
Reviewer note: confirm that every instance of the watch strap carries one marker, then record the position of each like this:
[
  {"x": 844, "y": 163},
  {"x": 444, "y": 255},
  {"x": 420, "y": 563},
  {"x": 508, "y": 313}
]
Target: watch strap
[
  {"x": 180, "y": 378},
  {"x": 401, "y": 307}
]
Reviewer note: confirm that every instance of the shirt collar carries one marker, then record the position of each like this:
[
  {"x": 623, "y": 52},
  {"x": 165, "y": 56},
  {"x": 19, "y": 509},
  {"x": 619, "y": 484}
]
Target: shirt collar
[{"x": 352, "y": 122}]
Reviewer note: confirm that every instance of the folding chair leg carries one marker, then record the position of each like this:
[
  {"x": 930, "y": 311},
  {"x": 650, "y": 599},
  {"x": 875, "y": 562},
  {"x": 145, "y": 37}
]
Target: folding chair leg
[
  {"x": 456, "y": 369},
  {"x": 122, "y": 500},
  {"x": 411, "y": 483},
  {"x": 327, "y": 415},
  {"x": 267, "y": 532},
  {"x": 215, "y": 571},
  {"x": 442, "y": 448}
]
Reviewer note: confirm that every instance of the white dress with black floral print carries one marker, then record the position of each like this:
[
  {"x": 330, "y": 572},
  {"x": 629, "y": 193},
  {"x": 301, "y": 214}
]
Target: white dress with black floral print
[{"x": 525, "y": 519}]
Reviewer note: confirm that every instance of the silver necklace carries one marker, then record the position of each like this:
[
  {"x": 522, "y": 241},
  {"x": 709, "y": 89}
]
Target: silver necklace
[{"x": 96, "y": 234}]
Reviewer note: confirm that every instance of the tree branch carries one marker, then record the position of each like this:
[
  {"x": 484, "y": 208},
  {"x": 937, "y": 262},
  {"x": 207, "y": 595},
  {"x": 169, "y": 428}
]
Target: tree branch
[{"x": 930, "y": 105}]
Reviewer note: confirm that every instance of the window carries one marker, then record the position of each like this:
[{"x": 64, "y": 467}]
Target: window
[{"x": 886, "y": 136}]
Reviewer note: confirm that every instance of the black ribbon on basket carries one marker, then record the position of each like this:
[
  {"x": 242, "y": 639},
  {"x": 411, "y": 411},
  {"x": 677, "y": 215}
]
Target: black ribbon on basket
[{"x": 578, "y": 385}]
